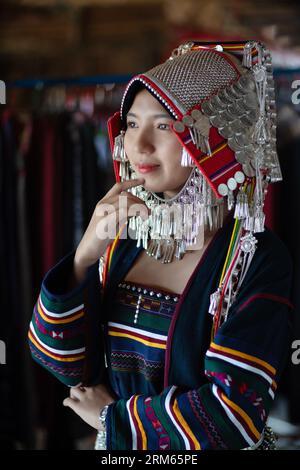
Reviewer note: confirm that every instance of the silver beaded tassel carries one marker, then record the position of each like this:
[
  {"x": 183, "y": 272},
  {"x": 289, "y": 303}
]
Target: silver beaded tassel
[
  {"x": 120, "y": 156},
  {"x": 174, "y": 223}
]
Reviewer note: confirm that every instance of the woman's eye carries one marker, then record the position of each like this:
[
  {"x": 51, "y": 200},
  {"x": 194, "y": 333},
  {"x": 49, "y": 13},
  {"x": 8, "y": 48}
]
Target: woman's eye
[
  {"x": 131, "y": 124},
  {"x": 164, "y": 127}
]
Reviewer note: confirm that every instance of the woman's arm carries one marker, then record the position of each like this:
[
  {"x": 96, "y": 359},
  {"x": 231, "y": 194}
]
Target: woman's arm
[{"x": 59, "y": 332}]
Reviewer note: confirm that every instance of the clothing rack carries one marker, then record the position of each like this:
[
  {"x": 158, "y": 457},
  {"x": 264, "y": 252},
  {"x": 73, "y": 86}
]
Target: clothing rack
[{"x": 40, "y": 83}]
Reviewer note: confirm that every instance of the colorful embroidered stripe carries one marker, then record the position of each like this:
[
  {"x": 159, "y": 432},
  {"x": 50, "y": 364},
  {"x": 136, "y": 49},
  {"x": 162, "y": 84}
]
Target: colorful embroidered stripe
[
  {"x": 109, "y": 254},
  {"x": 238, "y": 417},
  {"x": 59, "y": 318},
  {"x": 56, "y": 334},
  {"x": 179, "y": 422},
  {"x": 57, "y": 354},
  {"x": 147, "y": 338},
  {"x": 245, "y": 361},
  {"x": 240, "y": 354},
  {"x": 139, "y": 438},
  {"x": 214, "y": 152}
]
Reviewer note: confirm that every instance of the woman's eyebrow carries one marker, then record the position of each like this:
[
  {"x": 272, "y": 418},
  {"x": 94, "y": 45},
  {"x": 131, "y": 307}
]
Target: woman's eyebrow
[{"x": 160, "y": 115}]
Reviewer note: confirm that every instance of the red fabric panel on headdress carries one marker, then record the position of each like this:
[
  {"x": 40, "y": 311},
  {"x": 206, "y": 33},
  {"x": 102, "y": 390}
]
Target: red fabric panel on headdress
[
  {"x": 218, "y": 168},
  {"x": 114, "y": 127}
]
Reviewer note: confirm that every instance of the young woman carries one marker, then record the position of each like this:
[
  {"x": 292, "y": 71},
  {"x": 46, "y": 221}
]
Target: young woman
[{"x": 182, "y": 342}]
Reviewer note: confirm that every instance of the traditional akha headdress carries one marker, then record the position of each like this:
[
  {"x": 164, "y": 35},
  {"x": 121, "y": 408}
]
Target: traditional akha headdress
[{"x": 222, "y": 99}]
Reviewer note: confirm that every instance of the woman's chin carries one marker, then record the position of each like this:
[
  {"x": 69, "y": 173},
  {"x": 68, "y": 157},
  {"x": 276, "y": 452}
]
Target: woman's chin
[{"x": 154, "y": 188}]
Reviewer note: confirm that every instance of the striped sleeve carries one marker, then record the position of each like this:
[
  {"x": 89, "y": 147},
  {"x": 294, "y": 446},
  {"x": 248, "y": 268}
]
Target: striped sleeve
[
  {"x": 56, "y": 332},
  {"x": 242, "y": 366}
]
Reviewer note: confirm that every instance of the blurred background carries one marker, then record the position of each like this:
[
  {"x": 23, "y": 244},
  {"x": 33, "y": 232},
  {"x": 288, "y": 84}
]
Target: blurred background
[{"x": 65, "y": 64}]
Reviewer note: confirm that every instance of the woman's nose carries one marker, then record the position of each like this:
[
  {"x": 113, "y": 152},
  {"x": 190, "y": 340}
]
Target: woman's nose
[{"x": 144, "y": 142}]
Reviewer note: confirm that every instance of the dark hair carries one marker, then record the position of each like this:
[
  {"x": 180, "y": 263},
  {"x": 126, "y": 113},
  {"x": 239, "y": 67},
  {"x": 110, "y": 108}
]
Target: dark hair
[{"x": 134, "y": 89}]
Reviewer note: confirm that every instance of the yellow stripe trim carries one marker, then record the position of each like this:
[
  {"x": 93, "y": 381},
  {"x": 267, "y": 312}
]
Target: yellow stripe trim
[
  {"x": 65, "y": 359},
  {"x": 147, "y": 343},
  {"x": 144, "y": 438},
  {"x": 114, "y": 245},
  {"x": 245, "y": 356},
  {"x": 185, "y": 425},
  {"x": 229, "y": 250},
  {"x": 274, "y": 385},
  {"x": 234, "y": 47},
  {"x": 63, "y": 320},
  {"x": 213, "y": 153},
  {"x": 243, "y": 415}
]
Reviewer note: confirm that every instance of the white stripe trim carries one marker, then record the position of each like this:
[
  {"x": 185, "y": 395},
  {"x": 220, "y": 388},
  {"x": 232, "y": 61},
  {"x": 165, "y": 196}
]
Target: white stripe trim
[
  {"x": 241, "y": 364},
  {"x": 232, "y": 417},
  {"x": 168, "y": 408},
  {"x": 133, "y": 431},
  {"x": 59, "y": 315},
  {"x": 56, "y": 351},
  {"x": 224, "y": 172},
  {"x": 147, "y": 334}
]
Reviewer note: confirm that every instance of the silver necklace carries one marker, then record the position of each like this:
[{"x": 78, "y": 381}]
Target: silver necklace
[{"x": 174, "y": 223}]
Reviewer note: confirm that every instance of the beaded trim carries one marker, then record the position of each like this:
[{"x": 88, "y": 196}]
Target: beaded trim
[
  {"x": 147, "y": 291},
  {"x": 150, "y": 291}
]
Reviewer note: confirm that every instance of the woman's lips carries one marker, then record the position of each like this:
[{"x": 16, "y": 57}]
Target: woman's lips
[{"x": 146, "y": 168}]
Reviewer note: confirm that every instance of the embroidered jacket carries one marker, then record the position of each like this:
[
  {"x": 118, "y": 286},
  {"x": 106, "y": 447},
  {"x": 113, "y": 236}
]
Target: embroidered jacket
[{"x": 217, "y": 393}]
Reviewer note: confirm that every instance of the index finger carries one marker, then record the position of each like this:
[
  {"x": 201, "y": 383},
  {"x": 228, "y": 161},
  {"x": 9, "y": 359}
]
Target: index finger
[{"x": 122, "y": 186}]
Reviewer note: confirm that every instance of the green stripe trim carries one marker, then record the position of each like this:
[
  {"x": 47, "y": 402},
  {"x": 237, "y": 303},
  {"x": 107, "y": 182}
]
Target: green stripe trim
[
  {"x": 158, "y": 405},
  {"x": 59, "y": 306},
  {"x": 62, "y": 344},
  {"x": 120, "y": 427},
  {"x": 228, "y": 430},
  {"x": 258, "y": 383},
  {"x": 66, "y": 380},
  {"x": 146, "y": 320}
]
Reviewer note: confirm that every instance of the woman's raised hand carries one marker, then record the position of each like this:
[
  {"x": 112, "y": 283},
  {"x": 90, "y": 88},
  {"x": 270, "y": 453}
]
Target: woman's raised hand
[{"x": 111, "y": 212}]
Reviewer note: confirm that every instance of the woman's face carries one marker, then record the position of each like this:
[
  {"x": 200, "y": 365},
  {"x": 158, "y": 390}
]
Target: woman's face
[{"x": 152, "y": 148}]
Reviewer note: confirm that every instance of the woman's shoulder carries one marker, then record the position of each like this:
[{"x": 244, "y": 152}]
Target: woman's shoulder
[{"x": 272, "y": 250}]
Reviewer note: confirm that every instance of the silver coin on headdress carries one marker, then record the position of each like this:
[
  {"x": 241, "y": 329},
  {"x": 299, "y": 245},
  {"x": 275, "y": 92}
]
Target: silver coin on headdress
[
  {"x": 242, "y": 139},
  {"x": 223, "y": 189},
  {"x": 196, "y": 114},
  {"x": 207, "y": 108},
  {"x": 218, "y": 120},
  {"x": 179, "y": 126},
  {"x": 217, "y": 103},
  {"x": 248, "y": 170},
  {"x": 202, "y": 124},
  {"x": 252, "y": 115},
  {"x": 241, "y": 156},
  {"x": 233, "y": 111},
  {"x": 237, "y": 90},
  {"x": 223, "y": 96},
  {"x": 232, "y": 93},
  {"x": 250, "y": 101},
  {"x": 232, "y": 184},
  {"x": 233, "y": 144},
  {"x": 239, "y": 177},
  {"x": 188, "y": 120},
  {"x": 225, "y": 131},
  {"x": 236, "y": 127},
  {"x": 246, "y": 83},
  {"x": 245, "y": 121}
]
